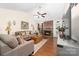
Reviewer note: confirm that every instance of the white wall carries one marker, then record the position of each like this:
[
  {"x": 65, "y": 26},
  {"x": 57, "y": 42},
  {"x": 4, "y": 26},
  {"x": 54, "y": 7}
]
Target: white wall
[
  {"x": 11, "y": 15},
  {"x": 75, "y": 22},
  {"x": 66, "y": 7}
]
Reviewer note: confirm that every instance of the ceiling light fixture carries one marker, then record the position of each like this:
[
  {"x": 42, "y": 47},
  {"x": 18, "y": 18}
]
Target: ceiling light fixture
[{"x": 39, "y": 13}]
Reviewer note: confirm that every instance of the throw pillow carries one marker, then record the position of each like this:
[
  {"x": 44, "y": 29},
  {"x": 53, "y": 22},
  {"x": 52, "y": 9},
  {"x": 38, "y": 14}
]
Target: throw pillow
[
  {"x": 11, "y": 41},
  {"x": 20, "y": 39}
]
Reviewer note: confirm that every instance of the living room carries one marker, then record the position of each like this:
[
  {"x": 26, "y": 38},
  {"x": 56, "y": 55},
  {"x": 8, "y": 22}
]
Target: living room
[
  {"x": 29, "y": 28},
  {"x": 23, "y": 22}
]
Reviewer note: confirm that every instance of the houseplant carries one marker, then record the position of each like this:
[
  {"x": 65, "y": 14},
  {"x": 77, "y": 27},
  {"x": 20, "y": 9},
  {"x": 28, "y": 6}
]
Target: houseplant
[{"x": 61, "y": 31}]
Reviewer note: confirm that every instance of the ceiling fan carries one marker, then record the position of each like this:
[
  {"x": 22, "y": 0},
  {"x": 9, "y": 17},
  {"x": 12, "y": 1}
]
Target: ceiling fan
[{"x": 41, "y": 14}]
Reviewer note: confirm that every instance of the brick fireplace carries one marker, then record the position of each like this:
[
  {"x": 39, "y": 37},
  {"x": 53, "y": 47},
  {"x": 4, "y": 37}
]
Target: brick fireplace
[{"x": 47, "y": 28}]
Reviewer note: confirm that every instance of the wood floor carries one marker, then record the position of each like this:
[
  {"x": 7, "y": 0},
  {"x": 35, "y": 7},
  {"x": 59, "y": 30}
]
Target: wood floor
[{"x": 49, "y": 49}]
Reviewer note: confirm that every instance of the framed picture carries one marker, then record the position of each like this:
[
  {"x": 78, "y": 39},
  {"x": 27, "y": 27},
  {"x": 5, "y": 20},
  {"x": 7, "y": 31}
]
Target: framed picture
[{"x": 24, "y": 25}]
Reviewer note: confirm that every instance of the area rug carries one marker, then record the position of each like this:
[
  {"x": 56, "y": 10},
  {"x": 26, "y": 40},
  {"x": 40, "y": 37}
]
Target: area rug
[{"x": 39, "y": 45}]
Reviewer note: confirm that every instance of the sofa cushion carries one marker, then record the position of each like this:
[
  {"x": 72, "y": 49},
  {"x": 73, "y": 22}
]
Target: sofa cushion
[
  {"x": 4, "y": 48},
  {"x": 11, "y": 41}
]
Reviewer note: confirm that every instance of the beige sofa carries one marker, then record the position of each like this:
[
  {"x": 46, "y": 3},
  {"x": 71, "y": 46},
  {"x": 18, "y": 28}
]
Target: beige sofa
[{"x": 9, "y": 48}]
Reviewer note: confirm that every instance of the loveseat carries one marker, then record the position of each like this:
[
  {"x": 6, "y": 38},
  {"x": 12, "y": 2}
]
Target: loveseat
[{"x": 9, "y": 46}]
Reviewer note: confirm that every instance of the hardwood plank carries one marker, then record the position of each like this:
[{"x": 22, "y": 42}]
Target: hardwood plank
[{"x": 49, "y": 49}]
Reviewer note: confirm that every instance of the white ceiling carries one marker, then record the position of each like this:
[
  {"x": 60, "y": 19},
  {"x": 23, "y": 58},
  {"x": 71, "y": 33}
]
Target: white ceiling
[
  {"x": 19, "y": 6},
  {"x": 54, "y": 11}
]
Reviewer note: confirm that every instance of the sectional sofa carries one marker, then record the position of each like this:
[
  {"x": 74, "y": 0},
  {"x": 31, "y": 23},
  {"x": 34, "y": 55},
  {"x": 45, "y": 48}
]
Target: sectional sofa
[{"x": 9, "y": 46}]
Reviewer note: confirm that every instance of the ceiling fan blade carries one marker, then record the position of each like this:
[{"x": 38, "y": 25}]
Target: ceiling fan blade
[
  {"x": 44, "y": 13},
  {"x": 43, "y": 16}
]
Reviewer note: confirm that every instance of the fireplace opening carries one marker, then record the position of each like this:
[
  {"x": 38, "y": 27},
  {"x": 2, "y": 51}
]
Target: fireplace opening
[{"x": 48, "y": 33}]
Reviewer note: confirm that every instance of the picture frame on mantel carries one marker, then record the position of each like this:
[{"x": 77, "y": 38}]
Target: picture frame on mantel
[{"x": 24, "y": 25}]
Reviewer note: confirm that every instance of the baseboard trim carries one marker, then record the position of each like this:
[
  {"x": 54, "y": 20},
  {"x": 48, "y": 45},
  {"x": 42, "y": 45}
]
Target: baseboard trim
[{"x": 74, "y": 40}]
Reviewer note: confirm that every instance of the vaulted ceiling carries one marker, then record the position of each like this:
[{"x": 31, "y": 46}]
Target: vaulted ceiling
[{"x": 54, "y": 11}]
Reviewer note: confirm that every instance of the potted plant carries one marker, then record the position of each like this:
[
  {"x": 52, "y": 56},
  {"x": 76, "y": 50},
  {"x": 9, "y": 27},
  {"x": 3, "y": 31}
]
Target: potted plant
[{"x": 61, "y": 30}]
